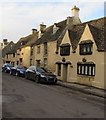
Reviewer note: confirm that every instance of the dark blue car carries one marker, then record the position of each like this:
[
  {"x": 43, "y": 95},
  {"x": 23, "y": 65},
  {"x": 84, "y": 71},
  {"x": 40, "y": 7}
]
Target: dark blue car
[
  {"x": 7, "y": 67},
  {"x": 39, "y": 74},
  {"x": 18, "y": 70}
]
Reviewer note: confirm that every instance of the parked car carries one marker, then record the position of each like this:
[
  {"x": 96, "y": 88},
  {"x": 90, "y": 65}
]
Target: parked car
[
  {"x": 7, "y": 67},
  {"x": 18, "y": 70},
  {"x": 39, "y": 74}
]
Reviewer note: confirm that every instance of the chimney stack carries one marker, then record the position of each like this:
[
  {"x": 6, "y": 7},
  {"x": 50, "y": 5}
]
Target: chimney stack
[
  {"x": 75, "y": 11},
  {"x": 34, "y": 31},
  {"x": 5, "y": 41},
  {"x": 42, "y": 27},
  {"x": 69, "y": 20}
]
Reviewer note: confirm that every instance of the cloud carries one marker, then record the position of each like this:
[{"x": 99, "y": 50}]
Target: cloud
[{"x": 18, "y": 18}]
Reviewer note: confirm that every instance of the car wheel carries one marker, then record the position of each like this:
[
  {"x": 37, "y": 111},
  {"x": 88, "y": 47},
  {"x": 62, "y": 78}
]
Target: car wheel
[
  {"x": 55, "y": 82},
  {"x": 17, "y": 74},
  {"x": 37, "y": 79}
]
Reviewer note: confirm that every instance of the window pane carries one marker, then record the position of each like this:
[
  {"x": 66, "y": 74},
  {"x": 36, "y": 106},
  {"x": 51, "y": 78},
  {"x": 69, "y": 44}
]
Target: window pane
[
  {"x": 84, "y": 49},
  {"x": 82, "y": 69},
  {"x": 93, "y": 70},
  {"x": 79, "y": 69},
  {"x": 89, "y": 70},
  {"x": 64, "y": 50},
  {"x": 88, "y": 49},
  {"x": 86, "y": 69}
]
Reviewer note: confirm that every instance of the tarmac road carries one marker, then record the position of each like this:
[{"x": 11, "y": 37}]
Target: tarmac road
[{"x": 26, "y": 99}]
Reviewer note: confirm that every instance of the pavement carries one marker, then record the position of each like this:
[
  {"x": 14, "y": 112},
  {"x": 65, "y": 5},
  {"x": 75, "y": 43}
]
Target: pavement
[{"x": 83, "y": 88}]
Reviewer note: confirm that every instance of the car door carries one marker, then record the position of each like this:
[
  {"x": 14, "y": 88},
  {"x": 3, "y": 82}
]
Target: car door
[
  {"x": 13, "y": 70},
  {"x": 33, "y": 73},
  {"x": 30, "y": 72}
]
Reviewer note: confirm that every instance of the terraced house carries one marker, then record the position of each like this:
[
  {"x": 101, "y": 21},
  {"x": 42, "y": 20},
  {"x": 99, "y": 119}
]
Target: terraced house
[
  {"x": 74, "y": 51},
  {"x": 19, "y": 55},
  {"x": 25, "y": 52},
  {"x": 5, "y": 51},
  {"x": 46, "y": 47},
  {"x": 81, "y": 54}
]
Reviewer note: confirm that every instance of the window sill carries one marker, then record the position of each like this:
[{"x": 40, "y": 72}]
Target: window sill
[
  {"x": 85, "y": 53},
  {"x": 81, "y": 75}
]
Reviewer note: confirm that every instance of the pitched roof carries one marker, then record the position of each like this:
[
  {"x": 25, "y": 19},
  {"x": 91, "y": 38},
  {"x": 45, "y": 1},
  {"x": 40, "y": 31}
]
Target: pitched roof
[
  {"x": 49, "y": 36},
  {"x": 22, "y": 42},
  {"x": 75, "y": 35},
  {"x": 32, "y": 40},
  {"x": 97, "y": 28},
  {"x": 7, "y": 48}
]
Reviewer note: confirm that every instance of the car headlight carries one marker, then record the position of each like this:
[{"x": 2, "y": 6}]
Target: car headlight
[
  {"x": 42, "y": 76},
  {"x": 8, "y": 68},
  {"x": 21, "y": 71}
]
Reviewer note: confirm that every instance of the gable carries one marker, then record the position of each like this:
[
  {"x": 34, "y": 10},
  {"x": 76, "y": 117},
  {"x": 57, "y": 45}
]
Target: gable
[
  {"x": 65, "y": 39},
  {"x": 87, "y": 36},
  {"x": 97, "y": 29}
]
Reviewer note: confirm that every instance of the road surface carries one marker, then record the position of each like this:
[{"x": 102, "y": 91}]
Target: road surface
[{"x": 26, "y": 99}]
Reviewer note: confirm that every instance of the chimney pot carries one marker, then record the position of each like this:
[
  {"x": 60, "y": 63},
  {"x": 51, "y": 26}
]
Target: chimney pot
[{"x": 75, "y": 11}]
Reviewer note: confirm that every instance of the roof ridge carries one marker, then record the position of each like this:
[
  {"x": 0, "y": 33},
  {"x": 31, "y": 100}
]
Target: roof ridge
[{"x": 94, "y": 20}]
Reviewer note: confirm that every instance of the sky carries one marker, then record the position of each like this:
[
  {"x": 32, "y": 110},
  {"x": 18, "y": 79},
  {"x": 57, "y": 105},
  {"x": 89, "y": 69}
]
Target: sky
[{"x": 19, "y": 17}]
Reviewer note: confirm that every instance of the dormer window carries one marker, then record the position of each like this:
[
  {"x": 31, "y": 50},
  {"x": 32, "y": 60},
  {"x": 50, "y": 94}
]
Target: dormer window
[
  {"x": 65, "y": 49},
  {"x": 55, "y": 28},
  {"x": 85, "y": 47}
]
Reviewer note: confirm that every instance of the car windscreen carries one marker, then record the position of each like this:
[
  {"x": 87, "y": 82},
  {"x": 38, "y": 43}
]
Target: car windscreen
[
  {"x": 20, "y": 67},
  {"x": 40, "y": 70},
  {"x": 9, "y": 65}
]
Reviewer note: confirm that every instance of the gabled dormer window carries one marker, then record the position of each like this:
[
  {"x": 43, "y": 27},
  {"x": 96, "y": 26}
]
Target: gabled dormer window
[
  {"x": 65, "y": 49},
  {"x": 86, "y": 47}
]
